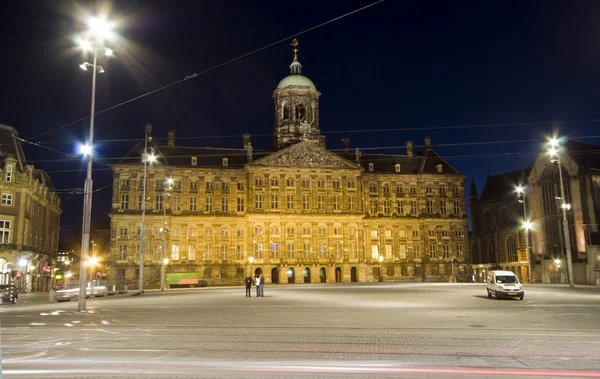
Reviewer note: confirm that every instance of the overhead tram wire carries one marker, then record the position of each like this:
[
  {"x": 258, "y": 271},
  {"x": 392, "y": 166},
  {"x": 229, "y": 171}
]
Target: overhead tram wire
[
  {"x": 407, "y": 129},
  {"x": 195, "y": 75}
]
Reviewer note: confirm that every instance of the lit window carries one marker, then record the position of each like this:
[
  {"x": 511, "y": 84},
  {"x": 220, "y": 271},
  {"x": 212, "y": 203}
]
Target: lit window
[
  {"x": 9, "y": 173},
  {"x": 175, "y": 252},
  {"x": 258, "y": 230}
]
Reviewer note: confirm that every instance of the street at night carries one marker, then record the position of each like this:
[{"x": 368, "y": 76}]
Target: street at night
[{"x": 345, "y": 330}]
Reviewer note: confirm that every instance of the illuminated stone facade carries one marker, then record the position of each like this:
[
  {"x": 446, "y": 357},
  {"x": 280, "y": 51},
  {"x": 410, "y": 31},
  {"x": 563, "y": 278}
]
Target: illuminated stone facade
[{"x": 303, "y": 213}]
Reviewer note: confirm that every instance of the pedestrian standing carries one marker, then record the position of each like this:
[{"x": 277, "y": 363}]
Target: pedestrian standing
[
  {"x": 261, "y": 285},
  {"x": 257, "y": 286},
  {"x": 248, "y": 282}
]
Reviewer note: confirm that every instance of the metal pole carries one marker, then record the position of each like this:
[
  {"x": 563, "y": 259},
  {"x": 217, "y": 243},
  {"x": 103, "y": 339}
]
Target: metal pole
[
  {"x": 87, "y": 198},
  {"x": 566, "y": 228},
  {"x": 164, "y": 242},
  {"x": 143, "y": 227},
  {"x": 529, "y": 268}
]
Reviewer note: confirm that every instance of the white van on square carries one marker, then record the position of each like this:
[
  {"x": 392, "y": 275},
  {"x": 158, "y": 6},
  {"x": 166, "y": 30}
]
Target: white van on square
[{"x": 504, "y": 284}]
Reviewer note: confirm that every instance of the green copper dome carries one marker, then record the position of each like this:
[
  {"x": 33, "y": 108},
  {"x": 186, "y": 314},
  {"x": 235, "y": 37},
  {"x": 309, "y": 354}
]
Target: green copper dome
[{"x": 296, "y": 80}]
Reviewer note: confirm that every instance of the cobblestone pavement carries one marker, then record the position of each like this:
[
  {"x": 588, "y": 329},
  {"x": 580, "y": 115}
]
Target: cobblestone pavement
[{"x": 413, "y": 330}]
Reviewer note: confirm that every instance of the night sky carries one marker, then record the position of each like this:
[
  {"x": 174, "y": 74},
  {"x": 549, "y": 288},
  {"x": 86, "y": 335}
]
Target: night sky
[{"x": 397, "y": 65}]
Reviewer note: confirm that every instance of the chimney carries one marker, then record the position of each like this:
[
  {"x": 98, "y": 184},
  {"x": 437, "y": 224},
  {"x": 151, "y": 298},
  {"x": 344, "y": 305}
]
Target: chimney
[
  {"x": 409, "y": 148},
  {"x": 322, "y": 141},
  {"x": 428, "y": 143},
  {"x": 345, "y": 145},
  {"x": 171, "y": 138}
]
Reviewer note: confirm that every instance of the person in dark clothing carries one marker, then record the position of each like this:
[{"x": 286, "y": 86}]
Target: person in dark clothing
[{"x": 248, "y": 282}]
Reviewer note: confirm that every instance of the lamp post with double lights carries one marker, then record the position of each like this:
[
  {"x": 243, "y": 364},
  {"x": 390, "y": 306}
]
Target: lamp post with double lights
[
  {"x": 99, "y": 29},
  {"x": 147, "y": 157},
  {"x": 164, "y": 230},
  {"x": 526, "y": 225},
  {"x": 554, "y": 151}
]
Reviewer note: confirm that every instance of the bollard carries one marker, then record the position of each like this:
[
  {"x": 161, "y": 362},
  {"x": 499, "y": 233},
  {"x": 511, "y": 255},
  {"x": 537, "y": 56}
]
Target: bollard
[
  {"x": 114, "y": 288},
  {"x": 51, "y": 296}
]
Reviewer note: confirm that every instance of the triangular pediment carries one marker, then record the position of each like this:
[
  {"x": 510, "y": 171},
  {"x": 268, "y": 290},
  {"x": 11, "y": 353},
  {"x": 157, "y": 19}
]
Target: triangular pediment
[{"x": 305, "y": 154}]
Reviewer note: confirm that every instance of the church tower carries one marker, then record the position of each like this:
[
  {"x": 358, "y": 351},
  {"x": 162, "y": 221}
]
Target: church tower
[{"x": 296, "y": 107}]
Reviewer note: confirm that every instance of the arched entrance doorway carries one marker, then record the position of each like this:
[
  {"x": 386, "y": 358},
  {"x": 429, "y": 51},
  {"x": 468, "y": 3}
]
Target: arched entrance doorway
[
  {"x": 291, "y": 275},
  {"x": 338, "y": 275},
  {"x": 275, "y": 276},
  {"x": 323, "y": 274},
  {"x": 353, "y": 276},
  {"x": 257, "y": 272},
  {"x": 307, "y": 275}
]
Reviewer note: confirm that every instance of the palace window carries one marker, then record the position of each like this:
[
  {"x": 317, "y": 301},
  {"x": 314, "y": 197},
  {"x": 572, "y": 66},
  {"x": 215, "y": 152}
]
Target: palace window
[
  {"x": 322, "y": 250},
  {"x": 289, "y": 182},
  {"x": 274, "y": 182},
  {"x": 291, "y": 250},
  {"x": 193, "y": 204},
  {"x": 386, "y": 206},
  {"x": 374, "y": 206},
  {"x": 274, "y": 250},
  {"x": 305, "y": 202},
  {"x": 225, "y": 204},
  {"x": 175, "y": 252},
  {"x": 321, "y": 202},
  {"x": 456, "y": 207},
  {"x": 258, "y": 250},
  {"x": 124, "y": 200},
  {"x": 388, "y": 251},
  {"x": 194, "y": 185},
  {"x": 176, "y": 203},
  {"x": 336, "y": 183},
  {"x": 224, "y": 253},
  {"x": 258, "y": 200},
  {"x": 322, "y": 231},
  {"x": 240, "y": 204},
  {"x": 430, "y": 208},
  {"x": 290, "y": 201},
  {"x": 122, "y": 254},
  {"x": 158, "y": 202},
  {"x": 351, "y": 203},
  {"x": 208, "y": 253},
  {"x": 306, "y": 250},
  {"x": 446, "y": 250},
  {"x": 443, "y": 207},
  {"x": 375, "y": 252},
  {"x": 209, "y": 204},
  {"x": 337, "y": 250},
  {"x": 353, "y": 251},
  {"x": 336, "y": 202},
  {"x": 191, "y": 253},
  {"x": 258, "y": 230}
]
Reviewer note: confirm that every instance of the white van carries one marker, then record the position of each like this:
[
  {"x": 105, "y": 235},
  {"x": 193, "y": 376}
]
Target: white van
[{"x": 504, "y": 284}]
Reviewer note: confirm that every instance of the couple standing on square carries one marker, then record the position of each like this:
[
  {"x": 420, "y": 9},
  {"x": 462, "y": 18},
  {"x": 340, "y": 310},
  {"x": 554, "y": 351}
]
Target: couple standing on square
[{"x": 260, "y": 285}]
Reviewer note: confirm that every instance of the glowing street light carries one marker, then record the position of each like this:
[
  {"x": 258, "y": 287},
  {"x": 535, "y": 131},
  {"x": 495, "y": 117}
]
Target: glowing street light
[
  {"x": 554, "y": 152},
  {"x": 99, "y": 29}
]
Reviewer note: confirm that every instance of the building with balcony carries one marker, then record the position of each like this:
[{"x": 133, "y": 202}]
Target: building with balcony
[
  {"x": 29, "y": 217},
  {"x": 304, "y": 214}
]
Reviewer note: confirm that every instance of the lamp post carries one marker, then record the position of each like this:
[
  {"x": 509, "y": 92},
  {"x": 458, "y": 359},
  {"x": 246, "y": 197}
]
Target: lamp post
[
  {"x": 146, "y": 158},
  {"x": 164, "y": 231},
  {"x": 555, "y": 158},
  {"x": 526, "y": 226},
  {"x": 251, "y": 259},
  {"x": 99, "y": 29}
]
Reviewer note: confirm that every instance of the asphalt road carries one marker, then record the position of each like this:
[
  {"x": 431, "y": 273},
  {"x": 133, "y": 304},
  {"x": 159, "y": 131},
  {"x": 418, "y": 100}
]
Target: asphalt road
[{"x": 416, "y": 330}]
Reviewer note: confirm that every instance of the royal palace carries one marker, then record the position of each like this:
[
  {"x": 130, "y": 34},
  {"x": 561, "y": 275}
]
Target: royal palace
[{"x": 298, "y": 213}]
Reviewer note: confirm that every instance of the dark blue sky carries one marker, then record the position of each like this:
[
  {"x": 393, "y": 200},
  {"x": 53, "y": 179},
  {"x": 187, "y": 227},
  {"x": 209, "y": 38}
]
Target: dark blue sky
[{"x": 395, "y": 65}]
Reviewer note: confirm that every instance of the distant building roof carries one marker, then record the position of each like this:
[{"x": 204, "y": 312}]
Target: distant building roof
[
  {"x": 502, "y": 186},
  {"x": 584, "y": 154},
  {"x": 10, "y": 146}
]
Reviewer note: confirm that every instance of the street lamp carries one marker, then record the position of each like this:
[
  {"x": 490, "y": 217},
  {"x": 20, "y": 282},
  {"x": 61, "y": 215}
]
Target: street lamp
[
  {"x": 554, "y": 152},
  {"x": 147, "y": 157},
  {"x": 251, "y": 259},
  {"x": 99, "y": 29},
  {"x": 164, "y": 231},
  {"x": 526, "y": 225}
]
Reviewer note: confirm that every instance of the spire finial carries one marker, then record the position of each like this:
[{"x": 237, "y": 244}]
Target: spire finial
[{"x": 294, "y": 44}]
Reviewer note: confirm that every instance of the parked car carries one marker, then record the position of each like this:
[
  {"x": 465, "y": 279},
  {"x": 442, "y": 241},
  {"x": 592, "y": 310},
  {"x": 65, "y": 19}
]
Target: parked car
[
  {"x": 9, "y": 293},
  {"x": 504, "y": 284}
]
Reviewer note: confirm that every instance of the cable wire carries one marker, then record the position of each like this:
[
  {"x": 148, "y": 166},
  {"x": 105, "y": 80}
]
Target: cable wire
[{"x": 195, "y": 75}]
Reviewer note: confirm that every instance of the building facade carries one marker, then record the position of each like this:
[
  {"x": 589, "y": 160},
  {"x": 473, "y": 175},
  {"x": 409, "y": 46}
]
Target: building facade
[
  {"x": 299, "y": 214},
  {"x": 498, "y": 240},
  {"x": 29, "y": 217}
]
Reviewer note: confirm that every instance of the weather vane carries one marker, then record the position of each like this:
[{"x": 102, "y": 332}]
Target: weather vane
[{"x": 294, "y": 44}]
